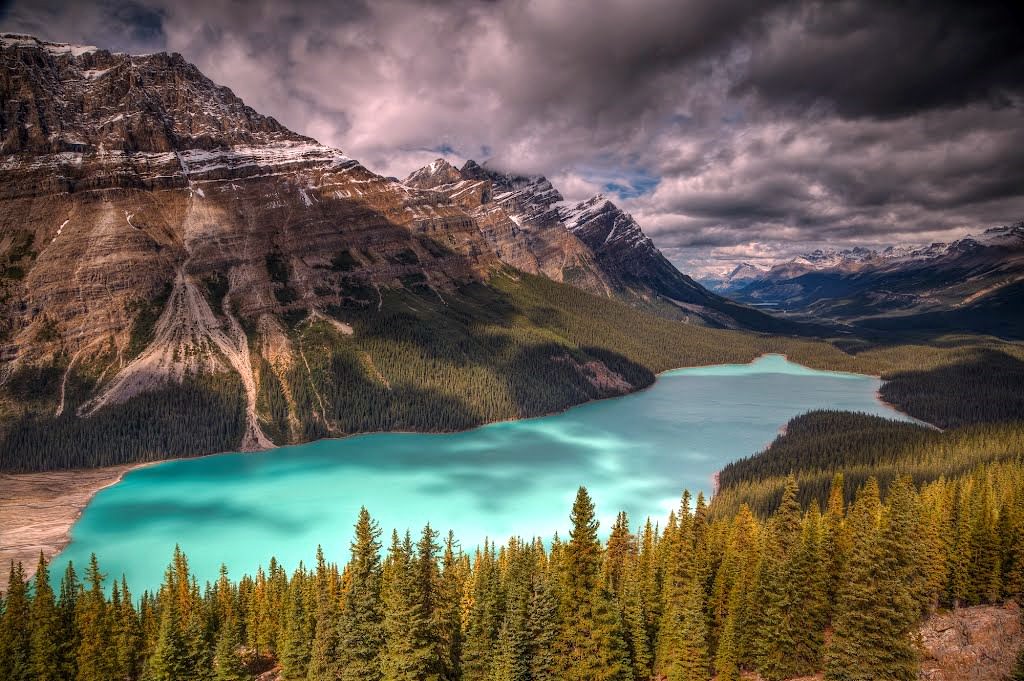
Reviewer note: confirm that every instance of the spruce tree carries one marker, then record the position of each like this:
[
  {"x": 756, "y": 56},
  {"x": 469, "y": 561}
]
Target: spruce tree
[
  {"x": 324, "y": 659},
  {"x": 687, "y": 632},
  {"x": 986, "y": 573},
  {"x": 197, "y": 637},
  {"x": 483, "y": 619},
  {"x": 15, "y": 628},
  {"x": 835, "y": 541},
  {"x": 45, "y": 658},
  {"x": 227, "y": 665},
  {"x": 295, "y": 650},
  {"x": 69, "y": 636},
  {"x": 728, "y": 655},
  {"x": 127, "y": 633},
  {"x": 170, "y": 659},
  {"x": 620, "y": 548},
  {"x": 635, "y": 613},
  {"x": 406, "y": 655},
  {"x": 879, "y": 602},
  {"x": 591, "y": 642},
  {"x": 425, "y": 581},
  {"x": 781, "y": 619},
  {"x": 361, "y": 635},
  {"x": 448, "y": 614},
  {"x": 542, "y": 628},
  {"x": 93, "y": 622}
]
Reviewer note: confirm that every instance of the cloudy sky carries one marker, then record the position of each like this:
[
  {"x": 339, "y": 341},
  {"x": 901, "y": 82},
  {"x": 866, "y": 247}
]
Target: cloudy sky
[{"x": 732, "y": 130}]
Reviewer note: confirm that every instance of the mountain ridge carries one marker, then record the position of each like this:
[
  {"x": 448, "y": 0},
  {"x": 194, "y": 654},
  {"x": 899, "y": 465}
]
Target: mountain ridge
[
  {"x": 161, "y": 243},
  {"x": 972, "y": 283}
]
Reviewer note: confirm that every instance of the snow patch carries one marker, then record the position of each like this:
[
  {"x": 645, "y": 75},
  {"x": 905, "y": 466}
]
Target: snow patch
[{"x": 15, "y": 40}]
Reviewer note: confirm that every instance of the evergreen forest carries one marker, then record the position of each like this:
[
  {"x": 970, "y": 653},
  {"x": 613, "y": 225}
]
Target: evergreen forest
[
  {"x": 518, "y": 347},
  {"x": 709, "y": 594}
]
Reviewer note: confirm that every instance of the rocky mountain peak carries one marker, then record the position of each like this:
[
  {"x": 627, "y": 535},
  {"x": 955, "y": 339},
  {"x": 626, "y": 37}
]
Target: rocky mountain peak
[
  {"x": 438, "y": 173},
  {"x": 67, "y": 98},
  {"x": 745, "y": 270},
  {"x": 600, "y": 222}
]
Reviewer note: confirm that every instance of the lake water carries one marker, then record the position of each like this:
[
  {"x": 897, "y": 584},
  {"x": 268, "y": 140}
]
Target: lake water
[{"x": 635, "y": 453}]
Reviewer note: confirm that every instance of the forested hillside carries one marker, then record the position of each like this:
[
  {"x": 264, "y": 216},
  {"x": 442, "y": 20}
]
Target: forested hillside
[
  {"x": 521, "y": 346},
  {"x": 704, "y": 595}
]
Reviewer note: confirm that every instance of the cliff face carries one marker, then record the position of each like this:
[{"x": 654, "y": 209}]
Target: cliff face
[
  {"x": 628, "y": 255},
  {"x": 155, "y": 229},
  {"x": 519, "y": 219},
  {"x": 133, "y": 185},
  {"x": 594, "y": 245}
]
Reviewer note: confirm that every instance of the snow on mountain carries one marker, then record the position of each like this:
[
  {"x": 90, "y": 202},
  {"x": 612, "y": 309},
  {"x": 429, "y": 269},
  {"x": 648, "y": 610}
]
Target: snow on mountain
[{"x": 745, "y": 272}]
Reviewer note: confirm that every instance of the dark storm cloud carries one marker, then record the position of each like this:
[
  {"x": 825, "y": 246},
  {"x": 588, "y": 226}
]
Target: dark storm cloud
[
  {"x": 732, "y": 129},
  {"x": 884, "y": 58}
]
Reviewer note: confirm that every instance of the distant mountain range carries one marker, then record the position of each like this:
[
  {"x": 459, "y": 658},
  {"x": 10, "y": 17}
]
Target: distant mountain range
[{"x": 971, "y": 284}]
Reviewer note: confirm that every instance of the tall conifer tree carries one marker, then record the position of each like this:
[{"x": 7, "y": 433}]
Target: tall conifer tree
[
  {"x": 361, "y": 637},
  {"x": 16, "y": 628},
  {"x": 592, "y": 644},
  {"x": 46, "y": 630}
]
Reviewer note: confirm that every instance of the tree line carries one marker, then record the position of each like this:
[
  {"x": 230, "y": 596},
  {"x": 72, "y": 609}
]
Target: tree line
[
  {"x": 706, "y": 594},
  {"x": 439, "y": 361}
]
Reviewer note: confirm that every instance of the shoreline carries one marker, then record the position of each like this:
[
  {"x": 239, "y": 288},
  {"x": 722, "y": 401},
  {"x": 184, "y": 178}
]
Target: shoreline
[
  {"x": 51, "y": 502},
  {"x": 38, "y": 510}
]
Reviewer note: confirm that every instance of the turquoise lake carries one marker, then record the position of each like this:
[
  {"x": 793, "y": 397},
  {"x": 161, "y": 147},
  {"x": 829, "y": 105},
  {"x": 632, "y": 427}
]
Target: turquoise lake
[{"x": 635, "y": 453}]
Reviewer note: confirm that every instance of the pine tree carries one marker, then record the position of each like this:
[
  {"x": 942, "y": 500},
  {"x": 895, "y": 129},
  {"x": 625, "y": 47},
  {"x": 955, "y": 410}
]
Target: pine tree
[
  {"x": 448, "y": 615},
  {"x": 620, "y": 549},
  {"x": 127, "y": 633},
  {"x": 687, "y": 631},
  {"x": 879, "y": 603},
  {"x": 542, "y": 626},
  {"x": 483, "y": 619},
  {"x": 781, "y": 619},
  {"x": 45, "y": 642},
  {"x": 227, "y": 666},
  {"x": 324, "y": 660},
  {"x": 15, "y": 628},
  {"x": 93, "y": 622},
  {"x": 295, "y": 650},
  {"x": 361, "y": 636},
  {"x": 68, "y": 637},
  {"x": 591, "y": 643},
  {"x": 170, "y": 659},
  {"x": 406, "y": 655}
]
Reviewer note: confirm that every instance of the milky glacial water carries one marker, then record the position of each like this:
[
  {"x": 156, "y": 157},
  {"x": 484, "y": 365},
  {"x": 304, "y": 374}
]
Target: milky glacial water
[{"x": 634, "y": 453}]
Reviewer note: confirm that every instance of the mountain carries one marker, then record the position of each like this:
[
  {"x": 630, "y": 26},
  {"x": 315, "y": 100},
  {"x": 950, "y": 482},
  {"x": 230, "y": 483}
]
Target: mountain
[
  {"x": 737, "y": 278},
  {"x": 180, "y": 274},
  {"x": 517, "y": 217},
  {"x": 971, "y": 284},
  {"x": 593, "y": 245}
]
